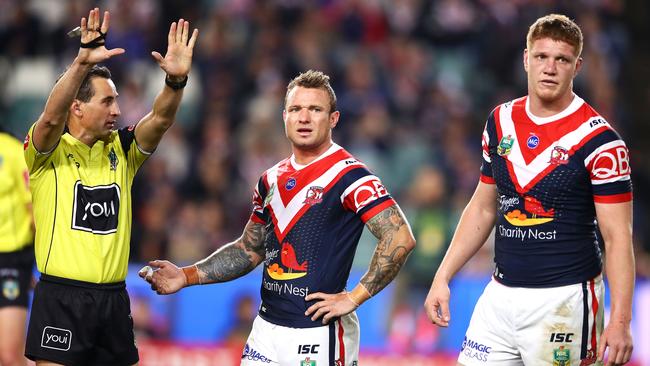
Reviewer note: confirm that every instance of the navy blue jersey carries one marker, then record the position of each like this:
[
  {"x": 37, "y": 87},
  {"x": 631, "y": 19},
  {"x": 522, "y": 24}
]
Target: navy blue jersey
[
  {"x": 314, "y": 216},
  {"x": 548, "y": 174}
]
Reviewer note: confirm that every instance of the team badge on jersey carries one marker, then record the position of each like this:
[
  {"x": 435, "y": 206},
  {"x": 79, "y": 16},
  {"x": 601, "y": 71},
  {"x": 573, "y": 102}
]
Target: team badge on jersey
[
  {"x": 532, "y": 142},
  {"x": 10, "y": 289},
  {"x": 559, "y": 156},
  {"x": 26, "y": 142},
  {"x": 505, "y": 145},
  {"x": 314, "y": 195},
  {"x": 307, "y": 362},
  {"x": 112, "y": 158},
  {"x": 561, "y": 357}
]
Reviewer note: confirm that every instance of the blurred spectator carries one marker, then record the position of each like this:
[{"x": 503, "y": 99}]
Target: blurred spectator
[
  {"x": 244, "y": 313},
  {"x": 150, "y": 321}
]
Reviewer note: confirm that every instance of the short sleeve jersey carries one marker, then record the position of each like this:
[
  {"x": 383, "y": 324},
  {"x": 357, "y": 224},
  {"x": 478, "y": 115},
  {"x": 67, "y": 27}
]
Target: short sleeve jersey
[
  {"x": 82, "y": 205},
  {"x": 548, "y": 174},
  {"x": 314, "y": 216},
  {"x": 15, "y": 198}
]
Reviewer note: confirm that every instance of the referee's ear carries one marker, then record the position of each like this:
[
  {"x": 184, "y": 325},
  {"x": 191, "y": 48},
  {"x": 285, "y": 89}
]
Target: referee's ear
[{"x": 75, "y": 108}]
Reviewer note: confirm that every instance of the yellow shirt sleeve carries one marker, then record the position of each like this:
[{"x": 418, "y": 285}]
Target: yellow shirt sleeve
[
  {"x": 34, "y": 159},
  {"x": 15, "y": 198}
]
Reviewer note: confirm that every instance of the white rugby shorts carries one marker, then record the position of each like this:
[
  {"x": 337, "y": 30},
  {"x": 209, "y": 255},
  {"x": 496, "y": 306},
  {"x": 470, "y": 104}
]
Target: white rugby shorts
[
  {"x": 558, "y": 326},
  {"x": 334, "y": 344}
]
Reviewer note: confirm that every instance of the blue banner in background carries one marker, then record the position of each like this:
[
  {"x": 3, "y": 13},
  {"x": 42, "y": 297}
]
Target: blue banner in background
[{"x": 223, "y": 313}]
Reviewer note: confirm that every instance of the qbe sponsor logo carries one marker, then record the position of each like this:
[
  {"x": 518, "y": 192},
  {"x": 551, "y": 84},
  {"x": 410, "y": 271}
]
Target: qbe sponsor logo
[
  {"x": 475, "y": 350},
  {"x": 370, "y": 190},
  {"x": 96, "y": 208},
  {"x": 611, "y": 163},
  {"x": 56, "y": 338}
]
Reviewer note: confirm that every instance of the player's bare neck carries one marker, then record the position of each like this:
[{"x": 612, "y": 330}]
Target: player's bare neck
[
  {"x": 547, "y": 108},
  {"x": 82, "y": 135},
  {"x": 304, "y": 156}
]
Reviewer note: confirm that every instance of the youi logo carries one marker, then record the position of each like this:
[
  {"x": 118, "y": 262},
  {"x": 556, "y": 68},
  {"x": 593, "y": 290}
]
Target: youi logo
[{"x": 56, "y": 338}]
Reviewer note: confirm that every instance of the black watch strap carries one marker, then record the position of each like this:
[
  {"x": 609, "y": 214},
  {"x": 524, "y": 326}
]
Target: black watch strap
[{"x": 176, "y": 85}]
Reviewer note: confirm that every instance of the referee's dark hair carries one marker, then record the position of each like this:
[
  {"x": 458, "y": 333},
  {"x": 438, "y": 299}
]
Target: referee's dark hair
[{"x": 86, "y": 90}]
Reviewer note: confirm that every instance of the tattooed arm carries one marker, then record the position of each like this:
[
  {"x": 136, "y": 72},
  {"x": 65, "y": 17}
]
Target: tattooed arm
[
  {"x": 231, "y": 261},
  {"x": 235, "y": 259},
  {"x": 396, "y": 242}
]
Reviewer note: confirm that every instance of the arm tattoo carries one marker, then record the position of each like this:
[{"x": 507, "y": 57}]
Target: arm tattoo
[
  {"x": 235, "y": 259},
  {"x": 253, "y": 238},
  {"x": 390, "y": 253}
]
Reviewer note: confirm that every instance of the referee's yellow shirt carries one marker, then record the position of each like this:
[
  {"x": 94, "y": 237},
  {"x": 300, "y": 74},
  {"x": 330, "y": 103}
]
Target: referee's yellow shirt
[
  {"x": 15, "y": 218},
  {"x": 82, "y": 205}
]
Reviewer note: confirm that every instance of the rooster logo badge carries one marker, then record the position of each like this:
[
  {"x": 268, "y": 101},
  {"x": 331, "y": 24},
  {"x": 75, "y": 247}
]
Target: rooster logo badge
[{"x": 314, "y": 195}]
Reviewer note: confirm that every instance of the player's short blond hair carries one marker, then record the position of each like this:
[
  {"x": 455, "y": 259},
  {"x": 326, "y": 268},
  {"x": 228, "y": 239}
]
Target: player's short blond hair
[
  {"x": 313, "y": 80},
  {"x": 557, "y": 27}
]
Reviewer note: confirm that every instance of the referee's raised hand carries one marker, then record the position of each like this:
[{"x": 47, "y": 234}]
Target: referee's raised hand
[
  {"x": 93, "y": 35},
  {"x": 178, "y": 59}
]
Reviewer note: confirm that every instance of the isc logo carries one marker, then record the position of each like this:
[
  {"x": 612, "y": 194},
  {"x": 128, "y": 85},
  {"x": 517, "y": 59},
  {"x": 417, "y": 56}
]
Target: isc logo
[
  {"x": 561, "y": 337},
  {"x": 596, "y": 122},
  {"x": 96, "y": 208},
  {"x": 308, "y": 349}
]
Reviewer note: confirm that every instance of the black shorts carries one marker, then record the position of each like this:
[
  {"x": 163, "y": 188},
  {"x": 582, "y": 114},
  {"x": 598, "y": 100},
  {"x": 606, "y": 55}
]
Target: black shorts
[
  {"x": 16, "y": 277},
  {"x": 80, "y": 323}
]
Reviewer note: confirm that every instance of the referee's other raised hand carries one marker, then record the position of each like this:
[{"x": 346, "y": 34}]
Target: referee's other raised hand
[{"x": 93, "y": 34}]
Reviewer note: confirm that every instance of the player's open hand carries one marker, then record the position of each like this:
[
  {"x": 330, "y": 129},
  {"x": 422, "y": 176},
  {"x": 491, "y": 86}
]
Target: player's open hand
[
  {"x": 437, "y": 304},
  {"x": 178, "y": 59},
  {"x": 164, "y": 276},
  {"x": 330, "y": 305},
  {"x": 93, "y": 34},
  {"x": 618, "y": 339}
]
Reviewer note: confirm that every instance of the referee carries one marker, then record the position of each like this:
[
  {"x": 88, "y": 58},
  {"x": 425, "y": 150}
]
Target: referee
[
  {"x": 81, "y": 185},
  {"x": 16, "y": 250}
]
